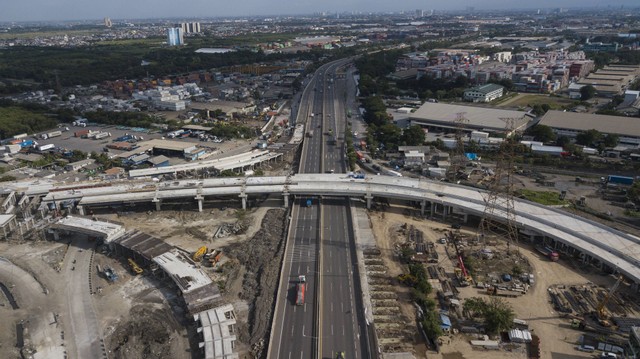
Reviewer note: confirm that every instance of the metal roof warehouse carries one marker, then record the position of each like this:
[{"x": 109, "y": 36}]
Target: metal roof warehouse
[
  {"x": 441, "y": 116},
  {"x": 572, "y": 123}
]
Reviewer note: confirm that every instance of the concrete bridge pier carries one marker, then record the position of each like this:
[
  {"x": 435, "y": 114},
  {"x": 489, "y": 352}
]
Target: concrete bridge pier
[
  {"x": 200, "y": 199},
  {"x": 423, "y": 204},
  {"x": 243, "y": 198},
  {"x": 81, "y": 210},
  {"x": 158, "y": 203},
  {"x": 368, "y": 197},
  {"x": 286, "y": 199},
  {"x": 433, "y": 210}
]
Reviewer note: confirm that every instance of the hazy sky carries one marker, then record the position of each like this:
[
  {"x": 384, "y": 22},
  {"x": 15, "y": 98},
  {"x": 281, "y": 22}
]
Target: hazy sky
[{"x": 41, "y": 10}]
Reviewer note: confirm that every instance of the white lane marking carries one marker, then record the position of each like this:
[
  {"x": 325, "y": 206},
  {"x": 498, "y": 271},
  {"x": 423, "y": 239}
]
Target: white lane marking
[{"x": 331, "y": 329}]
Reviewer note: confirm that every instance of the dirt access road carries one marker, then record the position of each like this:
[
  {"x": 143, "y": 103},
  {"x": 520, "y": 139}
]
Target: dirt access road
[{"x": 557, "y": 338}]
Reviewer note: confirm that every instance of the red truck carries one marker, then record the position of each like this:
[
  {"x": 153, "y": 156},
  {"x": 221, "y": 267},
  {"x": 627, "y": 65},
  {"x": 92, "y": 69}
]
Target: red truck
[
  {"x": 300, "y": 289},
  {"x": 549, "y": 253}
]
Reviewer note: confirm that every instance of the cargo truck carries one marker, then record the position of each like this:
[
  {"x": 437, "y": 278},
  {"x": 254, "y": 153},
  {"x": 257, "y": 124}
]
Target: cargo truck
[
  {"x": 102, "y": 135},
  {"x": 623, "y": 180},
  {"x": 81, "y": 133},
  {"x": 300, "y": 289},
  {"x": 549, "y": 253},
  {"x": 46, "y": 147},
  {"x": 28, "y": 143},
  {"x": 52, "y": 134}
]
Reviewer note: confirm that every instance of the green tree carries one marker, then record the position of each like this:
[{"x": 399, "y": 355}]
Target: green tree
[
  {"x": 413, "y": 136},
  {"x": 542, "y": 133},
  {"x": 563, "y": 141},
  {"x": 587, "y": 92},
  {"x": 498, "y": 316},
  {"x": 611, "y": 141},
  {"x": 588, "y": 138},
  {"x": 540, "y": 109}
]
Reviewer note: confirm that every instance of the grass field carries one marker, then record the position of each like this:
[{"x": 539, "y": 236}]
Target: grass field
[
  {"x": 546, "y": 198},
  {"x": 526, "y": 100}
]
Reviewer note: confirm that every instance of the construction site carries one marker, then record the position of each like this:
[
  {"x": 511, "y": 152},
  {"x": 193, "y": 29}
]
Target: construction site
[
  {"x": 133, "y": 282},
  {"x": 159, "y": 281}
]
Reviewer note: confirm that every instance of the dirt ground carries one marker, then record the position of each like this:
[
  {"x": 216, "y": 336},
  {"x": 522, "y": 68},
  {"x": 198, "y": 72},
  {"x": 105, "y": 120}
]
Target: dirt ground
[
  {"x": 148, "y": 333},
  {"x": 253, "y": 276},
  {"x": 558, "y": 340}
]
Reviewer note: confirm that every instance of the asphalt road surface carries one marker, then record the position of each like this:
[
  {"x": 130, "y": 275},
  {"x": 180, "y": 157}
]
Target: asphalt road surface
[{"x": 321, "y": 244}]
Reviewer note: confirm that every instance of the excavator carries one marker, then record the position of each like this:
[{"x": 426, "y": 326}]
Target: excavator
[
  {"x": 604, "y": 318},
  {"x": 135, "y": 267},
  {"x": 197, "y": 256}
]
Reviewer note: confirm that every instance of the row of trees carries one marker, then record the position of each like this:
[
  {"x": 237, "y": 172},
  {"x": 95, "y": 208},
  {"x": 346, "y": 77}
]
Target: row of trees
[
  {"x": 384, "y": 134},
  {"x": 590, "y": 138},
  {"x": 97, "y": 63},
  {"x": 418, "y": 280},
  {"x": 16, "y": 118}
]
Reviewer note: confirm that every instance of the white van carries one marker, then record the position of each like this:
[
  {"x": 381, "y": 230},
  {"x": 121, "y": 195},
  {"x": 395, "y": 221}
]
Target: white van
[{"x": 586, "y": 348}]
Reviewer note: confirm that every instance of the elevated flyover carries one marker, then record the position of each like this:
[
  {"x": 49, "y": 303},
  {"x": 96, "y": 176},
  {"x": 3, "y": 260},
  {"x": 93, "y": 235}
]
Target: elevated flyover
[{"x": 567, "y": 232}]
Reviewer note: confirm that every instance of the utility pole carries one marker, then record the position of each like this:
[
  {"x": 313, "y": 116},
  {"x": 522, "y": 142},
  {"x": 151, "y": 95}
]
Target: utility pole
[
  {"x": 499, "y": 201},
  {"x": 458, "y": 159}
]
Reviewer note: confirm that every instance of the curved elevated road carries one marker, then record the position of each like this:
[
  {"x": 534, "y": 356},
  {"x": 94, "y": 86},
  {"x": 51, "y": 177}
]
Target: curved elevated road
[{"x": 616, "y": 249}]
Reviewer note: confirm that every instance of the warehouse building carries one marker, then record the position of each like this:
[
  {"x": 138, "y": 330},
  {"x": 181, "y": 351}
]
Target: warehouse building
[
  {"x": 440, "y": 117},
  {"x": 570, "y": 124},
  {"x": 484, "y": 93}
]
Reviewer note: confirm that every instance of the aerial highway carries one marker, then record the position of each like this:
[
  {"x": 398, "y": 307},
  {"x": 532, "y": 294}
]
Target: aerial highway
[
  {"x": 293, "y": 330},
  {"x": 341, "y": 324}
]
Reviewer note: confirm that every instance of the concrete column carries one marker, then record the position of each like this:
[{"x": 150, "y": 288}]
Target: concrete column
[
  {"x": 433, "y": 209},
  {"x": 368, "y": 197},
  {"x": 158, "y": 203},
  {"x": 286, "y": 199},
  {"x": 423, "y": 204},
  {"x": 444, "y": 212},
  {"x": 199, "y": 199},
  {"x": 81, "y": 210},
  {"x": 244, "y": 202}
]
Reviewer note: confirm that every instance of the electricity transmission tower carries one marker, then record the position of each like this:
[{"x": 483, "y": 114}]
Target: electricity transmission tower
[
  {"x": 458, "y": 158},
  {"x": 499, "y": 218}
]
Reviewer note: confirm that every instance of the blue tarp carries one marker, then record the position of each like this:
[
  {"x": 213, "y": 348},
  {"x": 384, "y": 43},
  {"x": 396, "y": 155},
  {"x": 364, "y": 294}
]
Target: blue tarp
[
  {"x": 471, "y": 156},
  {"x": 445, "y": 322}
]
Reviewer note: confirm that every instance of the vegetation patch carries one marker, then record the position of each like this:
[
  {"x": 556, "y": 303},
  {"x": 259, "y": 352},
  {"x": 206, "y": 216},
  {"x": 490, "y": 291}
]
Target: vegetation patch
[
  {"x": 547, "y": 198},
  {"x": 16, "y": 120}
]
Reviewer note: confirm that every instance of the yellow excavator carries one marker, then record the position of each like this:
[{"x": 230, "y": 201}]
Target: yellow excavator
[
  {"x": 197, "y": 256},
  {"x": 135, "y": 267}
]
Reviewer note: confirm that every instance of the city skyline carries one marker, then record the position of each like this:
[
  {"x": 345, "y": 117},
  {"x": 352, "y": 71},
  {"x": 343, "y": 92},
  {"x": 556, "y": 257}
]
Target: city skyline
[{"x": 40, "y": 10}]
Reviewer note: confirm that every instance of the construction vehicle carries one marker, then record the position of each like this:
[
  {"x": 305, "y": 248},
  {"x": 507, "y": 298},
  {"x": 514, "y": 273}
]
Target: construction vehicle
[
  {"x": 110, "y": 274},
  {"x": 214, "y": 257},
  {"x": 300, "y": 289},
  {"x": 549, "y": 253},
  {"x": 135, "y": 267},
  {"x": 495, "y": 290},
  {"x": 340, "y": 355},
  {"x": 601, "y": 312},
  {"x": 464, "y": 278},
  {"x": 197, "y": 256}
]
